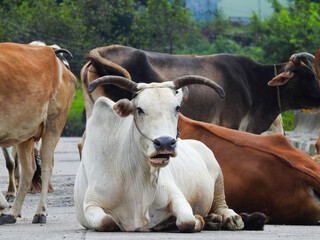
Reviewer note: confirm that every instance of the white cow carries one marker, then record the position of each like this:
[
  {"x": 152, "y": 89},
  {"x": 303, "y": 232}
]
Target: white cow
[{"x": 137, "y": 175}]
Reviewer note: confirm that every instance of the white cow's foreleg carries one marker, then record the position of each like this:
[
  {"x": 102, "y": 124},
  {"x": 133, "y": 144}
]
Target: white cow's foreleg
[
  {"x": 99, "y": 220},
  {"x": 230, "y": 220},
  {"x": 186, "y": 221}
]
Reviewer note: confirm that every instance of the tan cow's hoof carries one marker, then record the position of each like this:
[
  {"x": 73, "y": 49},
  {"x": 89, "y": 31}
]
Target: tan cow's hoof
[
  {"x": 10, "y": 197},
  {"x": 6, "y": 218},
  {"x": 39, "y": 218}
]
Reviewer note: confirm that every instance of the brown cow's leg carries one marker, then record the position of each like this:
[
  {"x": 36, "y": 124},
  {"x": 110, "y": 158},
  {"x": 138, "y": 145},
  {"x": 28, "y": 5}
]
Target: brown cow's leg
[
  {"x": 10, "y": 164},
  {"x": 36, "y": 183},
  {"x": 49, "y": 142},
  {"x": 253, "y": 221},
  {"x": 25, "y": 152},
  {"x": 3, "y": 204},
  {"x": 80, "y": 143}
]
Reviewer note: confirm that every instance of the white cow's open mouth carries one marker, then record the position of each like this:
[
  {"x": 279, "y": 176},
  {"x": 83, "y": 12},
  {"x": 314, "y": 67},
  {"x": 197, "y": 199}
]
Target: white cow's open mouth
[{"x": 160, "y": 160}]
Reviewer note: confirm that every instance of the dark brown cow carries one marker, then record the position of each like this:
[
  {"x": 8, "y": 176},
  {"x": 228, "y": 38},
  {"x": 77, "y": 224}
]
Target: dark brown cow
[
  {"x": 262, "y": 173},
  {"x": 36, "y": 93},
  {"x": 252, "y": 100}
]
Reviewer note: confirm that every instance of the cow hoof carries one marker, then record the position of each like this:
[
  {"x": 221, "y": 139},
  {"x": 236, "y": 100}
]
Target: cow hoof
[
  {"x": 213, "y": 222},
  {"x": 5, "y": 218},
  {"x": 187, "y": 228},
  {"x": 39, "y": 218},
  {"x": 199, "y": 223},
  {"x": 254, "y": 221},
  {"x": 10, "y": 197}
]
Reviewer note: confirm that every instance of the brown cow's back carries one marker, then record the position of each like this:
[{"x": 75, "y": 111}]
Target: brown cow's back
[
  {"x": 262, "y": 173},
  {"x": 36, "y": 93},
  {"x": 29, "y": 88}
]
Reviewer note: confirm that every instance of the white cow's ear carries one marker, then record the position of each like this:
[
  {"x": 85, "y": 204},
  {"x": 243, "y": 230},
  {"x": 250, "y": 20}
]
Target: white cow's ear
[
  {"x": 281, "y": 79},
  {"x": 182, "y": 95},
  {"x": 123, "y": 108}
]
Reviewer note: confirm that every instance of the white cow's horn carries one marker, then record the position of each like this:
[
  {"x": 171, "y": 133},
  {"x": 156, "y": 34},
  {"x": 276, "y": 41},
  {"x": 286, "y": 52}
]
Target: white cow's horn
[{"x": 122, "y": 82}]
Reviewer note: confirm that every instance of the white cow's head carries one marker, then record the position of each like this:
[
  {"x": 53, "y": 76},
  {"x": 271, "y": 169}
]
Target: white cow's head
[{"x": 155, "y": 108}]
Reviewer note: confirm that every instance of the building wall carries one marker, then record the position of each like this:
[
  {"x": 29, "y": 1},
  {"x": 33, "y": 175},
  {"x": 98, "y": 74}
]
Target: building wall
[
  {"x": 233, "y": 9},
  {"x": 202, "y": 9},
  {"x": 244, "y": 8}
]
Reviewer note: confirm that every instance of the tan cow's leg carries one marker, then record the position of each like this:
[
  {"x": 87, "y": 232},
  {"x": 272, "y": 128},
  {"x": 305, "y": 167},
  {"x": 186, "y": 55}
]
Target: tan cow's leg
[
  {"x": 10, "y": 164},
  {"x": 3, "y": 204},
  {"x": 99, "y": 220},
  {"x": 49, "y": 142},
  {"x": 25, "y": 153},
  {"x": 81, "y": 143}
]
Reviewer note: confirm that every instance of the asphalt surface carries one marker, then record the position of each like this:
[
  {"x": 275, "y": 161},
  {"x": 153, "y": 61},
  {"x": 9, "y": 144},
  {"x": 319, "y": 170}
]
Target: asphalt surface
[{"x": 62, "y": 224}]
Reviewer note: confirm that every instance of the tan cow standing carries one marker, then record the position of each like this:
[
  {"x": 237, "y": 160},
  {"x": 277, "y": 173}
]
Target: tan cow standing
[{"x": 36, "y": 93}]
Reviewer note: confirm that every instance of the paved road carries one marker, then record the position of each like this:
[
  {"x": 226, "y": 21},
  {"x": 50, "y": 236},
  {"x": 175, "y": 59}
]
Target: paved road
[{"x": 62, "y": 224}]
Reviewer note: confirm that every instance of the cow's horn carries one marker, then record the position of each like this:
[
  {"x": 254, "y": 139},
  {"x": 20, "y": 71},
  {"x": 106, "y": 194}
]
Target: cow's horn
[
  {"x": 194, "y": 79},
  {"x": 61, "y": 50},
  {"x": 96, "y": 55},
  {"x": 296, "y": 58},
  {"x": 316, "y": 64},
  {"x": 114, "y": 80}
]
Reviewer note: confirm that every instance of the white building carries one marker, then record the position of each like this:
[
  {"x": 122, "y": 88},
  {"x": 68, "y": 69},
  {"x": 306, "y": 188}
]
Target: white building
[{"x": 232, "y": 9}]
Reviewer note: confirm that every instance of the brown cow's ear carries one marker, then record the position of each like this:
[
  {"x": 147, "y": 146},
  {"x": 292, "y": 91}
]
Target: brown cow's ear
[
  {"x": 123, "y": 108},
  {"x": 281, "y": 79}
]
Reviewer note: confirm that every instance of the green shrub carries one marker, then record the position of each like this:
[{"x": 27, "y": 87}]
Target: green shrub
[
  {"x": 75, "y": 125},
  {"x": 288, "y": 120}
]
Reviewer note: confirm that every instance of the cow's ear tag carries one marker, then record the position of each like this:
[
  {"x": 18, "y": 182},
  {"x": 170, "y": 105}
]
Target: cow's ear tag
[
  {"x": 123, "y": 108},
  {"x": 281, "y": 79}
]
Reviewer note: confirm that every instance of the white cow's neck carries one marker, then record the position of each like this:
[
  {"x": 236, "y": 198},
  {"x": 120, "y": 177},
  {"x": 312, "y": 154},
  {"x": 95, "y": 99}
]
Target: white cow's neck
[{"x": 136, "y": 176}]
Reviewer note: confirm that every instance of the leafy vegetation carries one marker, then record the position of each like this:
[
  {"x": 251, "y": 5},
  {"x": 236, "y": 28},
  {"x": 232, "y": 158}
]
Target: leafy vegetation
[{"x": 157, "y": 25}]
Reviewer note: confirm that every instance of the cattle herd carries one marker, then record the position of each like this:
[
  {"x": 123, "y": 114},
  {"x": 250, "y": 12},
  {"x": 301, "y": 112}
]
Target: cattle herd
[{"x": 172, "y": 142}]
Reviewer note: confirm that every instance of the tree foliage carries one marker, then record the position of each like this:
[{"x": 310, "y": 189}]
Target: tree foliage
[
  {"x": 157, "y": 25},
  {"x": 161, "y": 25},
  {"x": 288, "y": 30}
]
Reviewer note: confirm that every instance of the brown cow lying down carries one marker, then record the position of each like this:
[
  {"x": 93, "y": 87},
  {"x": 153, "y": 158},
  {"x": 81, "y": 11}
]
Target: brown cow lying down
[
  {"x": 316, "y": 157},
  {"x": 262, "y": 173}
]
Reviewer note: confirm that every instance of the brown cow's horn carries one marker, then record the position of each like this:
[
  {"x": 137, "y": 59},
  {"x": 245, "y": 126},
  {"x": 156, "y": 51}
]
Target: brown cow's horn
[
  {"x": 115, "y": 80},
  {"x": 61, "y": 50},
  {"x": 95, "y": 54},
  {"x": 194, "y": 79},
  {"x": 296, "y": 58},
  {"x": 316, "y": 64}
]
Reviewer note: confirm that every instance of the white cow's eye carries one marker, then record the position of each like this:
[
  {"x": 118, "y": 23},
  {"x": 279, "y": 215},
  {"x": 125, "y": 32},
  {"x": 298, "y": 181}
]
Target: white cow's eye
[
  {"x": 140, "y": 111},
  {"x": 178, "y": 108}
]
